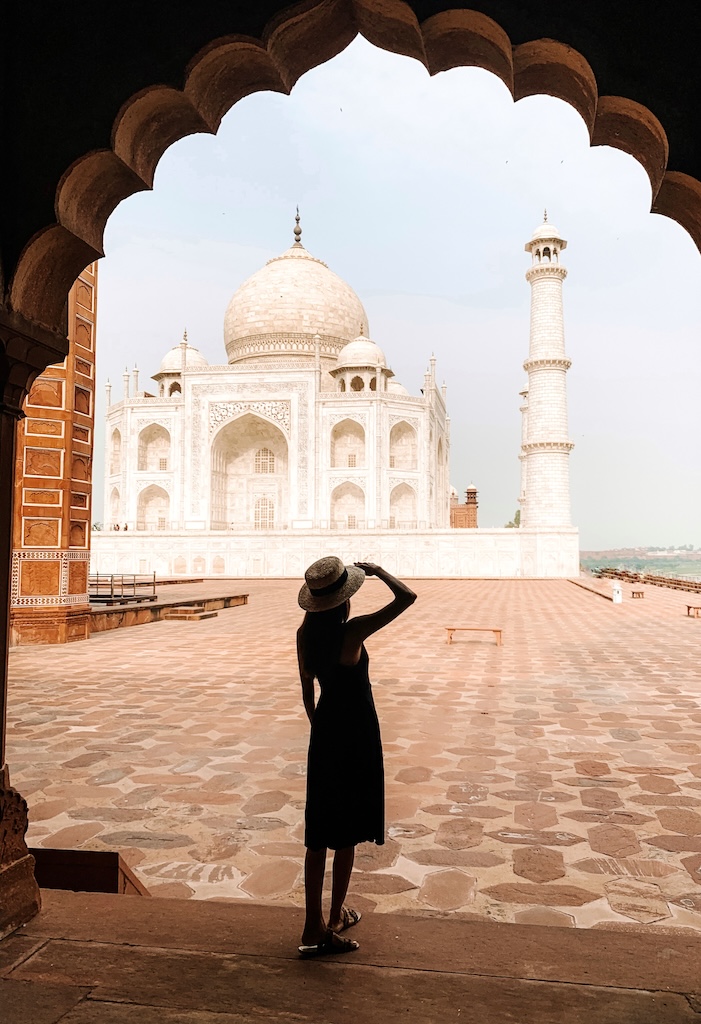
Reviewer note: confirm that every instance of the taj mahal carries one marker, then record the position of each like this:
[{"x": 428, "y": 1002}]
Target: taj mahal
[{"x": 304, "y": 444}]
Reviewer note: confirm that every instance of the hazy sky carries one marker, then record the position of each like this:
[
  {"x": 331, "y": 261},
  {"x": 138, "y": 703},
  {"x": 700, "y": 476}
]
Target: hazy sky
[{"x": 421, "y": 192}]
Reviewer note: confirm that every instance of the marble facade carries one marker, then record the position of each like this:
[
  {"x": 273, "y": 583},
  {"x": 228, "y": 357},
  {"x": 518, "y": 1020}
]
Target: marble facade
[{"x": 302, "y": 444}]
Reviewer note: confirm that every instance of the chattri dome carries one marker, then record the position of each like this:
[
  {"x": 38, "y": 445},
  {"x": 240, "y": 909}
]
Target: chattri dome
[
  {"x": 280, "y": 309},
  {"x": 360, "y": 352},
  {"x": 547, "y": 232},
  {"x": 173, "y": 360}
]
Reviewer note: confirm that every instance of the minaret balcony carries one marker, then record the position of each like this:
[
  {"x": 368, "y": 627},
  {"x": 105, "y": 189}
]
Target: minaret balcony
[
  {"x": 547, "y": 363},
  {"x": 546, "y": 270},
  {"x": 549, "y": 446}
]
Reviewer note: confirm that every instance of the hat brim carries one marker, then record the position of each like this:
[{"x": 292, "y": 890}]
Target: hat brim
[{"x": 310, "y": 603}]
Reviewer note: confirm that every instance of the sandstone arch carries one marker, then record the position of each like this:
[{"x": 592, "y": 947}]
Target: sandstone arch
[{"x": 229, "y": 68}]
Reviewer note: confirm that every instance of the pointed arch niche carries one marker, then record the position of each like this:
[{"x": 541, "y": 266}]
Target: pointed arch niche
[
  {"x": 250, "y": 476},
  {"x": 154, "y": 449},
  {"x": 402, "y": 508},
  {"x": 153, "y": 509},
  {"x": 402, "y": 446},
  {"x": 114, "y": 506},
  {"x": 347, "y": 445},
  {"x": 115, "y": 452},
  {"x": 348, "y": 507}
]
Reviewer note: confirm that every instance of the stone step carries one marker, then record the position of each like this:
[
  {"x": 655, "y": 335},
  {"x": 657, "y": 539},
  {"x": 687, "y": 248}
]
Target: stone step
[
  {"x": 91, "y": 957},
  {"x": 188, "y": 615}
]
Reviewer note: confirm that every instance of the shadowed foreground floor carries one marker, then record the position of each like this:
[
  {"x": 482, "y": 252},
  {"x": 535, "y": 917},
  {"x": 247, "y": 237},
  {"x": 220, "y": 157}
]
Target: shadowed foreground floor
[{"x": 96, "y": 959}]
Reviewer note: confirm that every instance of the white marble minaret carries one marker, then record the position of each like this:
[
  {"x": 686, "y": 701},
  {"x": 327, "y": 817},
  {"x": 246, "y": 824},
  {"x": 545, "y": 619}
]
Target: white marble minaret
[{"x": 546, "y": 445}]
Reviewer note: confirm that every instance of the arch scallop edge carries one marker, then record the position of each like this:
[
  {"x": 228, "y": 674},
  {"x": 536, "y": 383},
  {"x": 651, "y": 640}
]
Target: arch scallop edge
[{"x": 296, "y": 41}]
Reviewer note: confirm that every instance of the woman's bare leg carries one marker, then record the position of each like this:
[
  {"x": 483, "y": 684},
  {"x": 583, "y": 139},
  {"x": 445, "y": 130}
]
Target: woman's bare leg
[
  {"x": 315, "y": 927},
  {"x": 342, "y": 867}
]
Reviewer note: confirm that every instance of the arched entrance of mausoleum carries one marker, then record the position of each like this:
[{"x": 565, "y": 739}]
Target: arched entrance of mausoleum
[
  {"x": 250, "y": 477},
  {"x": 41, "y": 265}
]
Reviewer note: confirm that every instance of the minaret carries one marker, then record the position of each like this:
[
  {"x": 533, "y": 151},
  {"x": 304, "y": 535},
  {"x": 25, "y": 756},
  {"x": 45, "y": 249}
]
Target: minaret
[
  {"x": 523, "y": 409},
  {"x": 547, "y": 445}
]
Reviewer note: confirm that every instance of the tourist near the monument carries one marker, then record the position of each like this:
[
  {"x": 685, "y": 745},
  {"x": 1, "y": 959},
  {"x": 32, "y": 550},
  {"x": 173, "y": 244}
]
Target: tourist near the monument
[{"x": 345, "y": 773}]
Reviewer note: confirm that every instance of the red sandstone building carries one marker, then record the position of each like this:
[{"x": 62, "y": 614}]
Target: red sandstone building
[
  {"x": 464, "y": 517},
  {"x": 53, "y": 488}
]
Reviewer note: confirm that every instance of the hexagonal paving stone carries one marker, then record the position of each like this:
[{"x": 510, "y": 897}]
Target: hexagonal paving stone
[
  {"x": 409, "y": 776},
  {"x": 602, "y": 799},
  {"x": 680, "y": 820},
  {"x": 544, "y": 916},
  {"x": 545, "y": 895},
  {"x": 447, "y": 890},
  {"x": 688, "y": 901},
  {"x": 538, "y": 863},
  {"x": 535, "y": 815},
  {"x": 676, "y": 844},
  {"x": 693, "y": 866},
  {"x": 461, "y": 834},
  {"x": 614, "y": 840},
  {"x": 370, "y": 857},
  {"x": 592, "y": 768},
  {"x": 637, "y": 867},
  {"x": 657, "y": 784},
  {"x": 641, "y": 901},
  {"x": 536, "y": 837}
]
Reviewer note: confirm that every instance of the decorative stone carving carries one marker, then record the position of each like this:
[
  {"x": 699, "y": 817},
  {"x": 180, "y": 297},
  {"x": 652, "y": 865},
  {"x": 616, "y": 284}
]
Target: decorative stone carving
[
  {"x": 46, "y": 392},
  {"x": 40, "y": 597},
  {"x": 40, "y": 578},
  {"x": 19, "y": 893},
  {"x": 277, "y": 411},
  {"x": 13, "y": 823},
  {"x": 44, "y": 428},
  {"x": 40, "y": 533},
  {"x": 43, "y": 462}
]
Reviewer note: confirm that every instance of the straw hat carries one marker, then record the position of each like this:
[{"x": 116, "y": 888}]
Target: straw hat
[{"x": 328, "y": 583}]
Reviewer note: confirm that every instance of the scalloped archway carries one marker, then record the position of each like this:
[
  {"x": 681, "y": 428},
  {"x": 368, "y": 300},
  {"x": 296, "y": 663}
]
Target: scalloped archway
[{"x": 227, "y": 69}]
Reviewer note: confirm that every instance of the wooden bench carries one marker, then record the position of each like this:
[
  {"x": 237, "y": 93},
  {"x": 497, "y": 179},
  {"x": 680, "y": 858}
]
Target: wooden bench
[
  {"x": 693, "y": 608},
  {"x": 473, "y": 629},
  {"x": 637, "y": 593}
]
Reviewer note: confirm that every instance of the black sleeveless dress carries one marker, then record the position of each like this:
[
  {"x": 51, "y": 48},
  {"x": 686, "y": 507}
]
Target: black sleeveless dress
[{"x": 345, "y": 773}]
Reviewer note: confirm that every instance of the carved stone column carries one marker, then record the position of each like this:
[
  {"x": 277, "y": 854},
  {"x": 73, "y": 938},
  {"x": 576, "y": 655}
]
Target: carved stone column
[{"x": 25, "y": 350}]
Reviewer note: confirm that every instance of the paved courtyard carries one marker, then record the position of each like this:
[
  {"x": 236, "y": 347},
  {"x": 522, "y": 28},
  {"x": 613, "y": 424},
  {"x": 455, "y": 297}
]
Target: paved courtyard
[{"x": 555, "y": 779}]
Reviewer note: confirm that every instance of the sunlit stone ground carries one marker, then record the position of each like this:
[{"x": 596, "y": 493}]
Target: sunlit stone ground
[{"x": 555, "y": 779}]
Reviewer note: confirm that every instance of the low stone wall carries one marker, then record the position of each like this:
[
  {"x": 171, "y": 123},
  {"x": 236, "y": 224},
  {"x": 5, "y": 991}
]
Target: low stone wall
[
  {"x": 415, "y": 553},
  {"x": 119, "y": 616}
]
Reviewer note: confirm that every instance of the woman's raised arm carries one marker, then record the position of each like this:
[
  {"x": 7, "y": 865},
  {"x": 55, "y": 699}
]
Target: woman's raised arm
[{"x": 363, "y": 626}]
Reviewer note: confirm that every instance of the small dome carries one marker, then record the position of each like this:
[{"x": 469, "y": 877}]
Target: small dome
[
  {"x": 361, "y": 352},
  {"x": 546, "y": 232},
  {"x": 172, "y": 361},
  {"x": 394, "y": 387}
]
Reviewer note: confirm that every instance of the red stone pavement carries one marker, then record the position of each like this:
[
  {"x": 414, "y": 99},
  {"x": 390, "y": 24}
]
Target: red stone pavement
[{"x": 555, "y": 779}]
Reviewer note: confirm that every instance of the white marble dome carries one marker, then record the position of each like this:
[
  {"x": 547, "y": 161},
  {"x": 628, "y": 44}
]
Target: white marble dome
[
  {"x": 396, "y": 388},
  {"x": 173, "y": 360},
  {"x": 360, "y": 352},
  {"x": 279, "y": 310},
  {"x": 547, "y": 232}
]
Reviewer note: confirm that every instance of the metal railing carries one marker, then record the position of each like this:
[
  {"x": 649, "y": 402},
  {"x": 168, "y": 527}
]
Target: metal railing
[{"x": 112, "y": 589}]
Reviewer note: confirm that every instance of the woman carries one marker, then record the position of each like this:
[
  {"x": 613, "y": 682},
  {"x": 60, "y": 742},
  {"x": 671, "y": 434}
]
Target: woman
[{"x": 345, "y": 777}]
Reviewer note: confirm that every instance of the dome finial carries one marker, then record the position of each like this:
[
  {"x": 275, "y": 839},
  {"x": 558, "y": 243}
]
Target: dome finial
[
  {"x": 545, "y": 216},
  {"x": 298, "y": 230},
  {"x": 185, "y": 337}
]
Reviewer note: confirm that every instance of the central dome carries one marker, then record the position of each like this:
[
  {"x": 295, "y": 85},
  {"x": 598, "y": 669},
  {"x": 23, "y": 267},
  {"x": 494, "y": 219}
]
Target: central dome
[{"x": 278, "y": 311}]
